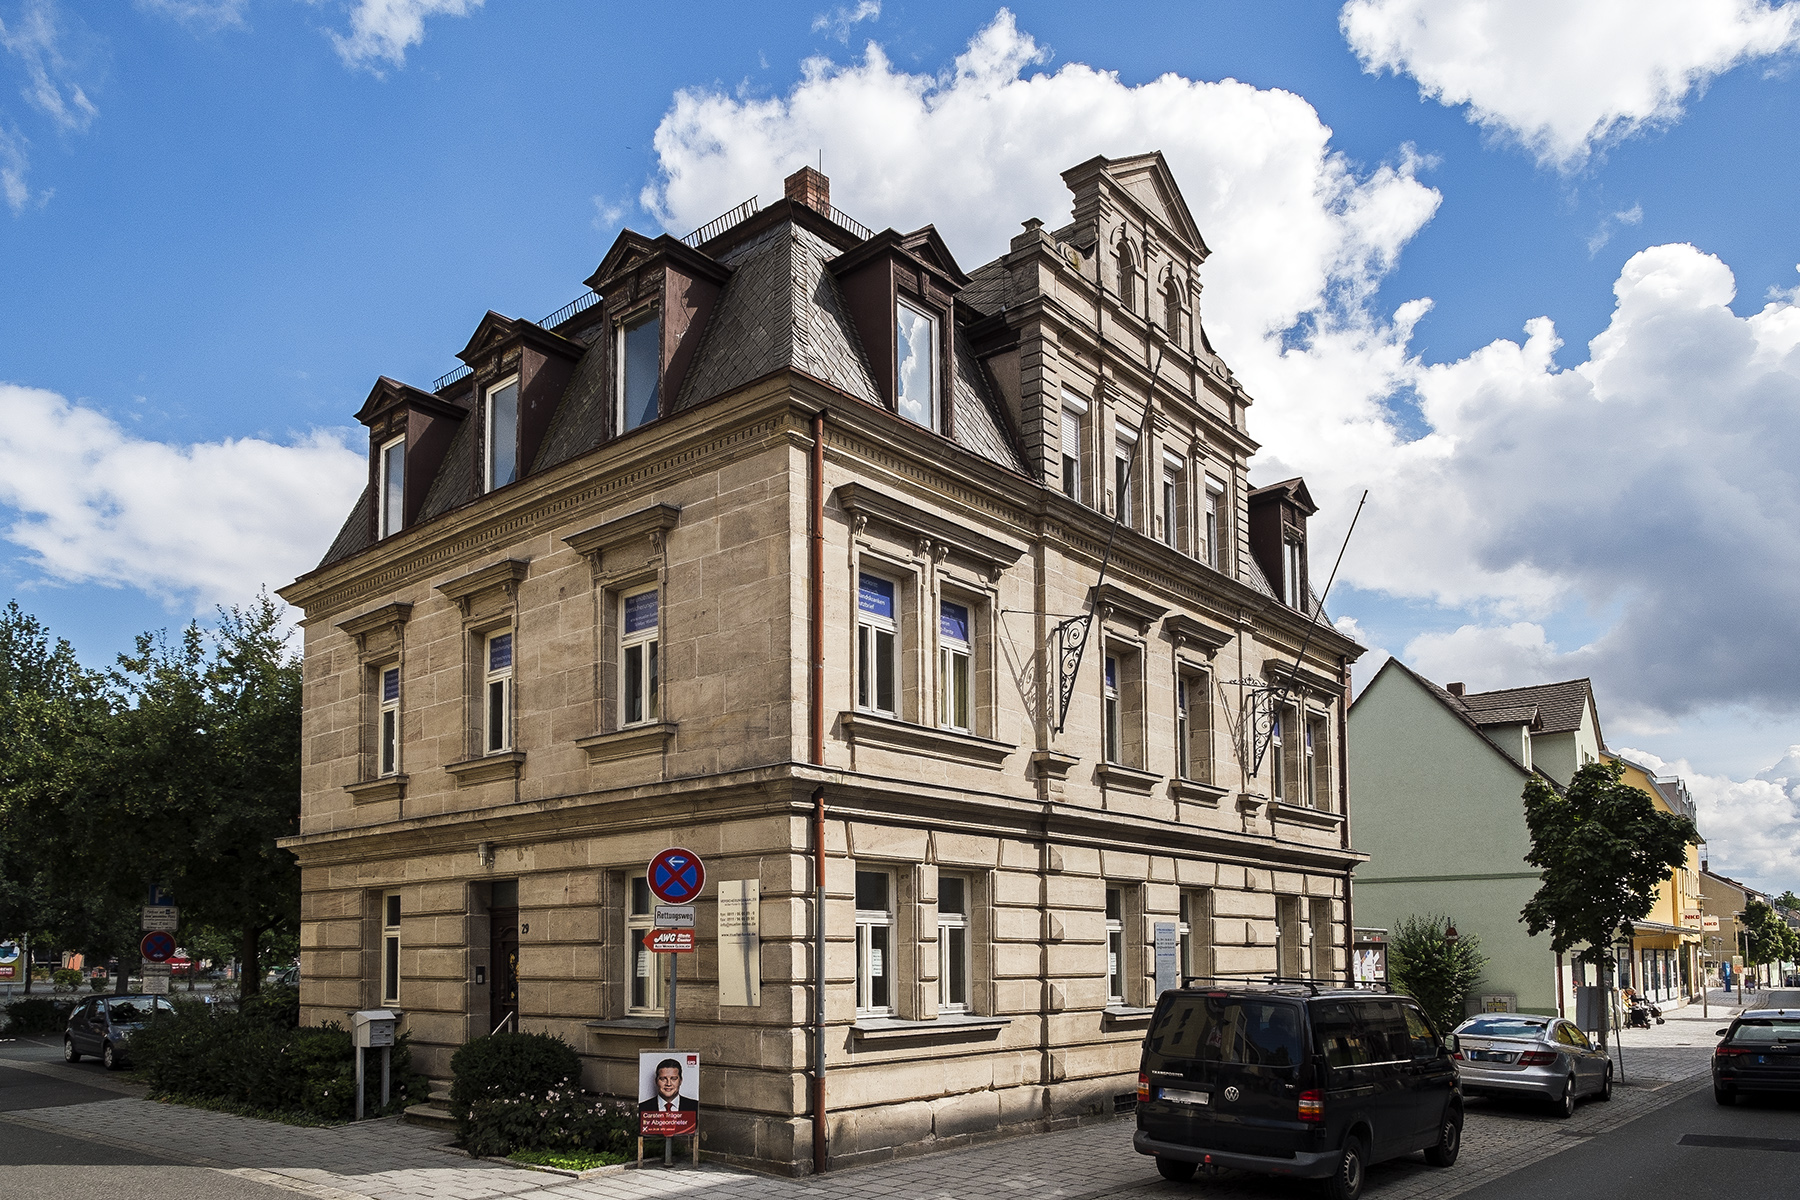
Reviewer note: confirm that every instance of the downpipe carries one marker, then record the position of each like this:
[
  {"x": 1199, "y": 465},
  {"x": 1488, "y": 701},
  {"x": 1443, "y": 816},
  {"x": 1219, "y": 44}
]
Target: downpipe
[{"x": 816, "y": 650}]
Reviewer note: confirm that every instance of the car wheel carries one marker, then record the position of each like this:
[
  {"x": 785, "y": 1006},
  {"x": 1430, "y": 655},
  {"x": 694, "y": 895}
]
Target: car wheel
[
  {"x": 1724, "y": 1096},
  {"x": 1606, "y": 1084},
  {"x": 108, "y": 1057},
  {"x": 1346, "y": 1183},
  {"x": 1174, "y": 1170},
  {"x": 1449, "y": 1143},
  {"x": 70, "y": 1053},
  {"x": 1565, "y": 1104}
]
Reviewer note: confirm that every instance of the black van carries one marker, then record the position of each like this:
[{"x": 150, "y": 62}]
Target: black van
[{"x": 1299, "y": 1079}]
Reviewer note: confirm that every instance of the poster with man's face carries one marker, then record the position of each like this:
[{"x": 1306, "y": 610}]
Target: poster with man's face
[{"x": 668, "y": 1093}]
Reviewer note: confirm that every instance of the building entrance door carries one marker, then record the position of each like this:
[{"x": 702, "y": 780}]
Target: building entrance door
[{"x": 503, "y": 968}]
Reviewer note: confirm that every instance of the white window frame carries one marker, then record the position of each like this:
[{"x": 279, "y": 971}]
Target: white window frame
[
  {"x": 932, "y": 419},
  {"x": 646, "y": 672},
  {"x": 390, "y": 948},
  {"x": 497, "y": 693},
  {"x": 645, "y": 965},
  {"x": 621, "y": 332},
  {"x": 1173, "y": 501},
  {"x": 1293, "y": 553},
  {"x": 1317, "y": 760},
  {"x": 1074, "y": 412},
  {"x": 950, "y": 955},
  {"x": 870, "y": 630},
  {"x": 488, "y": 413},
  {"x": 1277, "y": 757},
  {"x": 956, "y": 669},
  {"x": 1215, "y": 521},
  {"x": 1193, "y": 723},
  {"x": 1125, "y": 476},
  {"x": 868, "y": 922},
  {"x": 387, "y": 722},
  {"x": 1115, "y": 946},
  {"x": 391, "y": 522},
  {"x": 1113, "y": 741}
]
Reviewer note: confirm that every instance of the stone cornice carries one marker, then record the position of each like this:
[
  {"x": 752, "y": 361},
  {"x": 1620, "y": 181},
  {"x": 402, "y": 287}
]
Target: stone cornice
[
  {"x": 653, "y": 522},
  {"x": 388, "y": 616},
  {"x": 861, "y": 500},
  {"x": 1114, "y": 602},
  {"x": 507, "y": 573},
  {"x": 1185, "y": 631}
]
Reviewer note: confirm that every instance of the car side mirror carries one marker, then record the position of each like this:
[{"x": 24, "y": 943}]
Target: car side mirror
[
  {"x": 1721, "y": 1032},
  {"x": 1450, "y": 1044}
]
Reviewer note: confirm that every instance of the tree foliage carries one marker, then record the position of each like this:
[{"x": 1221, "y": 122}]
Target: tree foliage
[
  {"x": 1603, "y": 848},
  {"x": 1439, "y": 973},
  {"x": 1768, "y": 938}
]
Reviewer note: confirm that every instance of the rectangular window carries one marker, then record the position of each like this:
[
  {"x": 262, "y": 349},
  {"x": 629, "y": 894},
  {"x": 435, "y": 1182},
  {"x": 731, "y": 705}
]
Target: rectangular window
[
  {"x": 1195, "y": 934},
  {"x": 1193, "y": 725},
  {"x": 916, "y": 365},
  {"x": 1277, "y": 765},
  {"x": 1184, "y": 940},
  {"x": 1296, "y": 593},
  {"x": 393, "y": 487},
  {"x": 499, "y": 683},
  {"x": 1322, "y": 939},
  {"x": 390, "y": 948},
  {"x": 1071, "y": 453},
  {"x": 646, "y": 968},
  {"x": 640, "y": 371},
  {"x": 639, "y": 627},
  {"x": 1215, "y": 529},
  {"x": 1125, "y": 500},
  {"x": 1110, "y": 697},
  {"x": 874, "y": 943},
  {"x": 955, "y": 649},
  {"x": 877, "y": 644},
  {"x": 1174, "y": 502},
  {"x": 503, "y": 434},
  {"x": 389, "y": 749},
  {"x": 1291, "y": 945},
  {"x": 953, "y": 943},
  {"x": 1115, "y": 946},
  {"x": 1318, "y": 765}
]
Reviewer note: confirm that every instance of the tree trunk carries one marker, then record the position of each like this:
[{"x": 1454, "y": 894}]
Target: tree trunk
[
  {"x": 250, "y": 963},
  {"x": 124, "y": 977},
  {"x": 25, "y": 953}
]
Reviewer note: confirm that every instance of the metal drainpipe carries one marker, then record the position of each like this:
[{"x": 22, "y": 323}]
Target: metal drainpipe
[
  {"x": 816, "y": 586},
  {"x": 1343, "y": 755}
]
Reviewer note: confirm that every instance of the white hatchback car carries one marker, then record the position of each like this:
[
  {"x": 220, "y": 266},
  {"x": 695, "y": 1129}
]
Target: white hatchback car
[{"x": 1519, "y": 1054}]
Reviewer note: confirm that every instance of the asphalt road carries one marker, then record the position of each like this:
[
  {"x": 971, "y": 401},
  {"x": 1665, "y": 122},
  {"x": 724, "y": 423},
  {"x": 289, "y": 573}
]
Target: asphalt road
[{"x": 36, "y": 1164}]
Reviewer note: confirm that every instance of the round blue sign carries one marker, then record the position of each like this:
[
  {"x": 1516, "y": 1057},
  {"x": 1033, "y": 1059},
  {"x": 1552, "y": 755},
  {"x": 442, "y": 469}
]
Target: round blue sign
[{"x": 676, "y": 876}]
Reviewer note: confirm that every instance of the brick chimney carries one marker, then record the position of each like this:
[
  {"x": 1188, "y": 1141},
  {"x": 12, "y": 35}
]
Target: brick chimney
[
  {"x": 806, "y": 186},
  {"x": 1455, "y": 689}
]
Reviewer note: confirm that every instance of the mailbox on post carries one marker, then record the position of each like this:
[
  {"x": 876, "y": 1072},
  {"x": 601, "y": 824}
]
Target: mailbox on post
[{"x": 370, "y": 1029}]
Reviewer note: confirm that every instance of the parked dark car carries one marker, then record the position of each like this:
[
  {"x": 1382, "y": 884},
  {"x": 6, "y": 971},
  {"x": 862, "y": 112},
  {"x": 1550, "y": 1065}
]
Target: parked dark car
[
  {"x": 1760, "y": 1052},
  {"x": 102, "y": 1026},
  {"x": 1300, "y": 1080}
]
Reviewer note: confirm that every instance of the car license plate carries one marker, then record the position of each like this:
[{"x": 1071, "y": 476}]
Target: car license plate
[
  {"x": 1496, "y": 1056},
  {"x": 1182, "y": 1096}
]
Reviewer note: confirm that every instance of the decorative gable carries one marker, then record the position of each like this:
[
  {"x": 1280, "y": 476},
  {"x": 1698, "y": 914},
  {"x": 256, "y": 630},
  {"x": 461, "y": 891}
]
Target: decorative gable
[{"x": 503, "y": 347}]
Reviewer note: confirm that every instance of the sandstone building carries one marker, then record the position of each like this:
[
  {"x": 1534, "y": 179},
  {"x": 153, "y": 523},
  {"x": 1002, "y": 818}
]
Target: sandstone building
[{"x": 789, "y": 531}]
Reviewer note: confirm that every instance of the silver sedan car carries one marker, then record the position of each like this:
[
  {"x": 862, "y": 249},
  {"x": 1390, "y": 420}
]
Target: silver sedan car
[{"x": 1518, "y": 1054}]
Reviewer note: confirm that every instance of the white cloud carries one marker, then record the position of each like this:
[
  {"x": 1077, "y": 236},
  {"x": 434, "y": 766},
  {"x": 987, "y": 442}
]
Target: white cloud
[
  {"x": 1565, "y": 78},
  {"x": 382, "y": 30},
  {"x": 1752, "y": 826},
  {"x": 1485, "y": 657},
  {"x": 197, "y": 525},
  {"x": 840, "y": 20},
  {"x": 34, "y": 39},
  {"x": 606, "y": 213},
  {"x": 1603, "y": 232},
  {"x": 13, "y": 166},
  {"x": 201, "y": 14}
]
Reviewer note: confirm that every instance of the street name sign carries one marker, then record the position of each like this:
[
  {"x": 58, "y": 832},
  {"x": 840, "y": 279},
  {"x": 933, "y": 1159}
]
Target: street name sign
[
  {"x": 677, "y": 875},
  {"x": 161, "y": 918}
]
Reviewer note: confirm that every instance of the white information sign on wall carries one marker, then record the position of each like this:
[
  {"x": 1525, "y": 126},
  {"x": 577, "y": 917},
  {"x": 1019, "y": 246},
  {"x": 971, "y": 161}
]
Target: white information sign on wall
[
  {"x": 740, "y": 942},
  {"x": 1168, "y": 957}
]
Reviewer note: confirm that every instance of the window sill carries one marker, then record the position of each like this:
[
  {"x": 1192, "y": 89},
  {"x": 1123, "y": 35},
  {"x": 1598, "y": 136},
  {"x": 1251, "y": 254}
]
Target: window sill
[
  {"x": 1126, "y": 779},
  {"x": 886, "y": 733},
  {"x": 948, "y": 1025},
  {"x": 1122, "y": 1016},
  {"x": 1194, "y": 792},
  {"x": 487, "y": 769},
  {"x": 650, "y": 1027},
  {"x": 628, "y": 743},
  {"x": 1299, "y": 814},
  {"x": 372, "y": 791}
]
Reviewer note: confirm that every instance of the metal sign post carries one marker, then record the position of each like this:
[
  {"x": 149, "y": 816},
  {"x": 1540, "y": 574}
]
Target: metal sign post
[{"x": 676, "y": 876}]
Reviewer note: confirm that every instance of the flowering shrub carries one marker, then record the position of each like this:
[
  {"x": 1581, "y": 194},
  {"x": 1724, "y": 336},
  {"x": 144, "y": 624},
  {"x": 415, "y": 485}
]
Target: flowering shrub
[{"x": 516, "y": 1091}]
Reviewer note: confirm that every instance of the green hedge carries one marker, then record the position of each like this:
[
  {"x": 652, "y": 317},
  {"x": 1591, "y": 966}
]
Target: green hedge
[
  {"x": 257, "y": 1059},
  {"x": 38, "y": 1014},
  {"x": 514, "y": 1091}
]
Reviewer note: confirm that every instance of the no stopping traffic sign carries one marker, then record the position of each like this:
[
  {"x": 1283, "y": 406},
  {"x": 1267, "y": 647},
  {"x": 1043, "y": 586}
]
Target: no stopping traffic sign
[
  {"x": 157, "y": 947},
  {"x": 676, "y": 875}
]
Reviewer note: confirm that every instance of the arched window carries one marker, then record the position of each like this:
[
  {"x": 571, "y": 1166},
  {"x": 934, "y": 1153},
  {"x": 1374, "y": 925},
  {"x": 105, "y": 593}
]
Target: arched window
[
  {"x": 1172, "y": 311},
  {"x": 1127, "y": 277}
]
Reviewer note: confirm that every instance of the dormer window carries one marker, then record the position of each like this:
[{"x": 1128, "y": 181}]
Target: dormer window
[
  {"x": 639, "y": 355},
  {"x": 916, "y": 365},
  {"x": 503, "y": 434},
  {"x": 1296, "y": 556},
  {"x": 393, "y": 487}
]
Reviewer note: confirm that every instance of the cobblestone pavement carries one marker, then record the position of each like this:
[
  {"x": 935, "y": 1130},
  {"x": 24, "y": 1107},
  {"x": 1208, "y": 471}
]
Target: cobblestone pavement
[{"x": 386, "y": 1160}]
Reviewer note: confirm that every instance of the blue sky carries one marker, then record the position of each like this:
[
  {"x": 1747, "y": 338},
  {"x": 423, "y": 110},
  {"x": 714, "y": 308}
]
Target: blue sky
[{"x": 221, "y": 220}]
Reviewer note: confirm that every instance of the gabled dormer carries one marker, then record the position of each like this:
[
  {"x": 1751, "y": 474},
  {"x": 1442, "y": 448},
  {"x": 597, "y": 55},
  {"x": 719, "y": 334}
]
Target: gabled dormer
[
  {"x": 1278, "y": 516},
  {"x": 901, "y": 290},
  {"x": 409, "y": 431},
  {"x": 519, "y": 371},
  {"x": 658, "y": 293}
]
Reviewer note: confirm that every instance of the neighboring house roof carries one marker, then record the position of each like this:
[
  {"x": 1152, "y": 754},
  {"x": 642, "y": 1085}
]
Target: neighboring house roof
[
  {"x": 1559, "y": 705},
  {"x": 1524, "y": 714}
]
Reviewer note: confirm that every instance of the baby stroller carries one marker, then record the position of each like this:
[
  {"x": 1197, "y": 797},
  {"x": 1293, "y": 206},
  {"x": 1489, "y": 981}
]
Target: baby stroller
[{"x": 1639, "y": 1012}]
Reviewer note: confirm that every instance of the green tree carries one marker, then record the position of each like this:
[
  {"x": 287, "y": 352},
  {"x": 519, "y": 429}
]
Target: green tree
[
  {"x": 1766, "y": 935},
  {"x": 1438, "y": 971},
  {"x": 1603, "y": 848},
  {"x": 1788, "y": 900}
]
